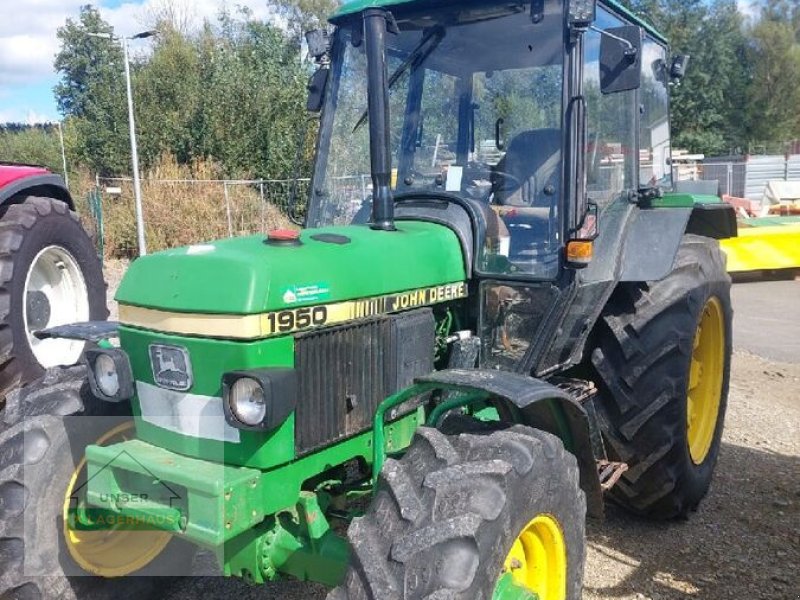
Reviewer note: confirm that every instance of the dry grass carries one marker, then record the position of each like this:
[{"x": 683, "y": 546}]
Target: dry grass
[{"x": 178, "y": 213}]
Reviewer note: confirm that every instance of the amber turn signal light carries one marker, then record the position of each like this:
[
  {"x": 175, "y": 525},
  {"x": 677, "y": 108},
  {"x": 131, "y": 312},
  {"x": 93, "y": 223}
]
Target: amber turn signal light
[{"x": 580, "y": 253}]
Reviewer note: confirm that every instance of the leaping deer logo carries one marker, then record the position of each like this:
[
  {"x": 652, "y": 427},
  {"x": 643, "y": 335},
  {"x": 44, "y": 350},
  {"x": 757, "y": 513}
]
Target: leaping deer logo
[{"x": 171, "y": 367}]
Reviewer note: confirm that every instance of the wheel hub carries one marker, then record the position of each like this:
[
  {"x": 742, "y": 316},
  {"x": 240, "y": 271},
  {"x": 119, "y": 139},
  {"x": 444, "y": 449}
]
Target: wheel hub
[
  {"x": 536, "y": 563},
  {"x": 55, "y": 293},
  {"x": 706, "y": 373},
  {"x": 109, "y": 552},
  {"x": 38, "y": 306}
]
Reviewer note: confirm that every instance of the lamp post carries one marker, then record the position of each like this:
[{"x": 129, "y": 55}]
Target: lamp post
[
  {"x": 63, "y": 153},
  {"x": 137, "y": 185}
]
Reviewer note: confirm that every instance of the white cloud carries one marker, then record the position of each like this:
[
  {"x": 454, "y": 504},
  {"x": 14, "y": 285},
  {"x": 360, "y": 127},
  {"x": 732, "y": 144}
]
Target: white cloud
[
  {"x": 131, "y": 17},
  {"x": 30, "y": 117},
  {"x": 28, "y": 39},
  {"x": 28, "y": 42}
]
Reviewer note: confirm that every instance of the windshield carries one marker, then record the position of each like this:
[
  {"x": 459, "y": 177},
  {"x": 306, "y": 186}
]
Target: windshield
[{"x": 475, "y": 98}]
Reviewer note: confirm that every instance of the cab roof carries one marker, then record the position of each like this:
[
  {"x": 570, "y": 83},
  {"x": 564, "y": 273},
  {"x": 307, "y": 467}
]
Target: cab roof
[{"x": 350, "y": 7}]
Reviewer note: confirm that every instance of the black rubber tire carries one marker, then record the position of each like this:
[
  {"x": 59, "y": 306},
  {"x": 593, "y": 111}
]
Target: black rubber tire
[
  {"x": 445, "y": 515},
  {"x": 38, "y": 452},
  {"x": 25, "y": 229},
  {"x": 643, "y": 354}
]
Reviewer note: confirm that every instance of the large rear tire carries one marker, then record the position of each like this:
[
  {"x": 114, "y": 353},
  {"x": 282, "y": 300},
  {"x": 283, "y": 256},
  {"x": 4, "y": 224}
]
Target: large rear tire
[
  {"x": 41, "y": 456},
  {"x": 663, "y": 356},
  {"x": 49, "y": 275},
  {"x": 472, "y": 516}
]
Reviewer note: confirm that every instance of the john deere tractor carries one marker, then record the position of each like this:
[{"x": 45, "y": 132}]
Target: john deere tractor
[{"x": 498, "y": 317}]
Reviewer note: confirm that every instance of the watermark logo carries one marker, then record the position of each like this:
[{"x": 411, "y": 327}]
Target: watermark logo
[{"x": 124, "y": 495}]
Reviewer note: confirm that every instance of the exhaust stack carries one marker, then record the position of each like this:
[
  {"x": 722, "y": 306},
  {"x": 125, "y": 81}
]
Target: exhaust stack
[{"x": 375, "y": 24}]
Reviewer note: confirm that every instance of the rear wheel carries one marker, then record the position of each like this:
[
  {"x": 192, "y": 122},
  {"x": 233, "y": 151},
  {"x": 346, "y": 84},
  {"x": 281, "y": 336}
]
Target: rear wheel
[
  {"x": 49, "y": 275},
  {"x": 663, "y": 355},
  {"x": 494, "y": 515},
  {"x": 42, "y": 471}
]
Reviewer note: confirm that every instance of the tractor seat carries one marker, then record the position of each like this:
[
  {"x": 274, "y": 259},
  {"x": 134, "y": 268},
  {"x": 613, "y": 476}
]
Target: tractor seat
[{"x": 532, "y": 161}]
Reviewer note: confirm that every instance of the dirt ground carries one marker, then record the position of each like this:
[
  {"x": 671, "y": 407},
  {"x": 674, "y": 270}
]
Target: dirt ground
[{"x": 743, "y": 542}]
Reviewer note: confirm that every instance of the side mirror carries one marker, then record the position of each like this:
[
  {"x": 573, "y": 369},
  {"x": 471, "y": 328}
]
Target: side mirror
[
  {"x": 679, "y": 65},
  {"x": 620, "y": 59},
  {"x": 316, "y": 89}
]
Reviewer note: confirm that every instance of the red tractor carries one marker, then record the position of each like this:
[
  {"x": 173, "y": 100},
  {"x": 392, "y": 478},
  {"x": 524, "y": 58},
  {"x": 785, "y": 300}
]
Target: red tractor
[{"x": 49, "y": 273}]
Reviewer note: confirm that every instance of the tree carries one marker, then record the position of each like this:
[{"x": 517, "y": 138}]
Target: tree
[
  {"x": 304, "y": 15},
  {"x": 707, "y": 107},
  {"x": 774, "y": 92},
  {"x": 92, "y": 91}
]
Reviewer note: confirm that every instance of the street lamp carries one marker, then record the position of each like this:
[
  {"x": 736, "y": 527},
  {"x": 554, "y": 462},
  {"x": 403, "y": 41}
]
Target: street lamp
[
  {"x": 63, "y": 153},
  {"x": 137, "y": 185}
]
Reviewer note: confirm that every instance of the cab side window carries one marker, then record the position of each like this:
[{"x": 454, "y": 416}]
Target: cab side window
[
  {"x": 654, "y": 156},
  {"x": 611, "y": 126}
]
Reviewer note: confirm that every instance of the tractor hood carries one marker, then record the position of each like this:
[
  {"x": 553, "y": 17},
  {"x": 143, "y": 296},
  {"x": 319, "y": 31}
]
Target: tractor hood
[{"x": 245, "y": 276}]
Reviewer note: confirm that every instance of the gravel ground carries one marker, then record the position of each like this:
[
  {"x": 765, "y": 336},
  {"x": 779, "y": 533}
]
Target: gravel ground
[{"x": 743, "y": 542}]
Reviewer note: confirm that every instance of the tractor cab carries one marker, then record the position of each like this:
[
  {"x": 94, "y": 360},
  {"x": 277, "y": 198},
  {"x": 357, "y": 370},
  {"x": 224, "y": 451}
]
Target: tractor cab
[{"x": 516, "y": 113}]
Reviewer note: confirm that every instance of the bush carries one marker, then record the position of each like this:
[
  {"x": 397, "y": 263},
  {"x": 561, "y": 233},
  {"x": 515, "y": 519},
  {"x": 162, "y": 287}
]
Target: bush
[{"x": 183, "y": 205}]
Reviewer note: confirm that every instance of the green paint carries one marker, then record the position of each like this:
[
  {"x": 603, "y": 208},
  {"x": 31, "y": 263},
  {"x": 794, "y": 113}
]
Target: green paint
[
  {"x": 507, "y": 589},
  {"x": 247, "y": 276},
  {"x": 457, "y": 401},
  {"x": 297, "y": 542},
  {"x": 771, "y": 221},
  {"x": 216, "y": 502},
  {"x": 210, "y": 359},
  {"x": 355, "y": 6},
  {"x": 681, "y": 200},
  {"x": 487, "y": 414},
  {"x": 212, "y": 502},
  {"x": 314, "y": 552}
]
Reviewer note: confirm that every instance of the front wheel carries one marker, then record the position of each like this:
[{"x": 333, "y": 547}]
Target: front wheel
[
  {"x": 42, "y": 481},
  {"x": 494, "y": 516}
]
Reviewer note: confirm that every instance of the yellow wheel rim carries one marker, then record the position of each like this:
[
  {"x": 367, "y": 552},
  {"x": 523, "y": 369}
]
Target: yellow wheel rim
[
  {"x": 111, "y": 552},
  {"x": 538, "y": 559},
  {"x": 705, "y": 381}
]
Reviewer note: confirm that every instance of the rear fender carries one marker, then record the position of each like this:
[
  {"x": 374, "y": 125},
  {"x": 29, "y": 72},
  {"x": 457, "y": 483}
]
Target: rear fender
[{"x": 654, "y": 235}]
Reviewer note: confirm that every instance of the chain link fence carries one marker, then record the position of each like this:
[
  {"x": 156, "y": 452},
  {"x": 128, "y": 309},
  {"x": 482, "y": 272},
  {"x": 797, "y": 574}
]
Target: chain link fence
[
  {"x": 178, "y": 212},
  {"x": 741, "y": 177}
]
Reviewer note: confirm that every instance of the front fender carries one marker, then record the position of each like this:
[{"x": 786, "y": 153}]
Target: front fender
[{"x": 539, "y": 404}]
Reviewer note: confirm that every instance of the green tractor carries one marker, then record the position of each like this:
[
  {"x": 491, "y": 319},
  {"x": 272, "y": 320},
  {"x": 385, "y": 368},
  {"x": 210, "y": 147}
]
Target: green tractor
[{"x": 498, "y": 316}]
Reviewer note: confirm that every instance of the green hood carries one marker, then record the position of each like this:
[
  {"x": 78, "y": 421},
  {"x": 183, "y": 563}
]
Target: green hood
[{"x": 247, "y": 276}]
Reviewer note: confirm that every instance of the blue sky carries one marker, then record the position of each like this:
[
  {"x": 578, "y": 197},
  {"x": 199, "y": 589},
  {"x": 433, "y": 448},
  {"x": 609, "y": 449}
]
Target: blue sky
[{"x": 28, "y": 43}]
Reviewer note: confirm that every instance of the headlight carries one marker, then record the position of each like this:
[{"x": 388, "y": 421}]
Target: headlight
[
  {"x": 247, "y": 401},
  {"x": 106, "y": 376},
  {"x": 260, "y": 399},
  {"x": 110, "y": 375}
]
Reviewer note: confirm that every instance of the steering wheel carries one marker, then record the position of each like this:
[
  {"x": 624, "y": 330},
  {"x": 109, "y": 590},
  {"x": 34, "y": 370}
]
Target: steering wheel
[{"x": 499, "y": 182}]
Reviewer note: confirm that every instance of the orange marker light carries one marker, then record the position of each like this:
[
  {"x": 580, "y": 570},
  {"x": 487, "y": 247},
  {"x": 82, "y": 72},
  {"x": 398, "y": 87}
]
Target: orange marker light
[{"x": 580, "y": 252}]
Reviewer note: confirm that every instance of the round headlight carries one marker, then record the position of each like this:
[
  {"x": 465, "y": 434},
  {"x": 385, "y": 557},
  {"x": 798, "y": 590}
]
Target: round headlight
[
  {"x": 106, "y": 376},
  {"x": 247, "y": 401}
]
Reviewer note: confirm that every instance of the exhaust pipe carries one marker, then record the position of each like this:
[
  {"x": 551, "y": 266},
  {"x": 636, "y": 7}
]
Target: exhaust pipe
[{"x": 375, "y": 21}]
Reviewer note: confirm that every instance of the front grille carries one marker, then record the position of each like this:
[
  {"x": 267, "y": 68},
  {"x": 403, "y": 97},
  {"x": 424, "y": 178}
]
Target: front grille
[{"x": 345, "y": 372}]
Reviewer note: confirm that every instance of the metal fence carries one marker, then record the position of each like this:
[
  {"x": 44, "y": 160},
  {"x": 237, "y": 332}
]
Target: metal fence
[
  {"x": 743, "y": 177},
  {"x": 186, "y": 211}
]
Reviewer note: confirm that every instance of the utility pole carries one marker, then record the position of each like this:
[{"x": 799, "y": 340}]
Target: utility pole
[
  {"x": 63, "y": 154},
  {"x": 137, "y": 184}
]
